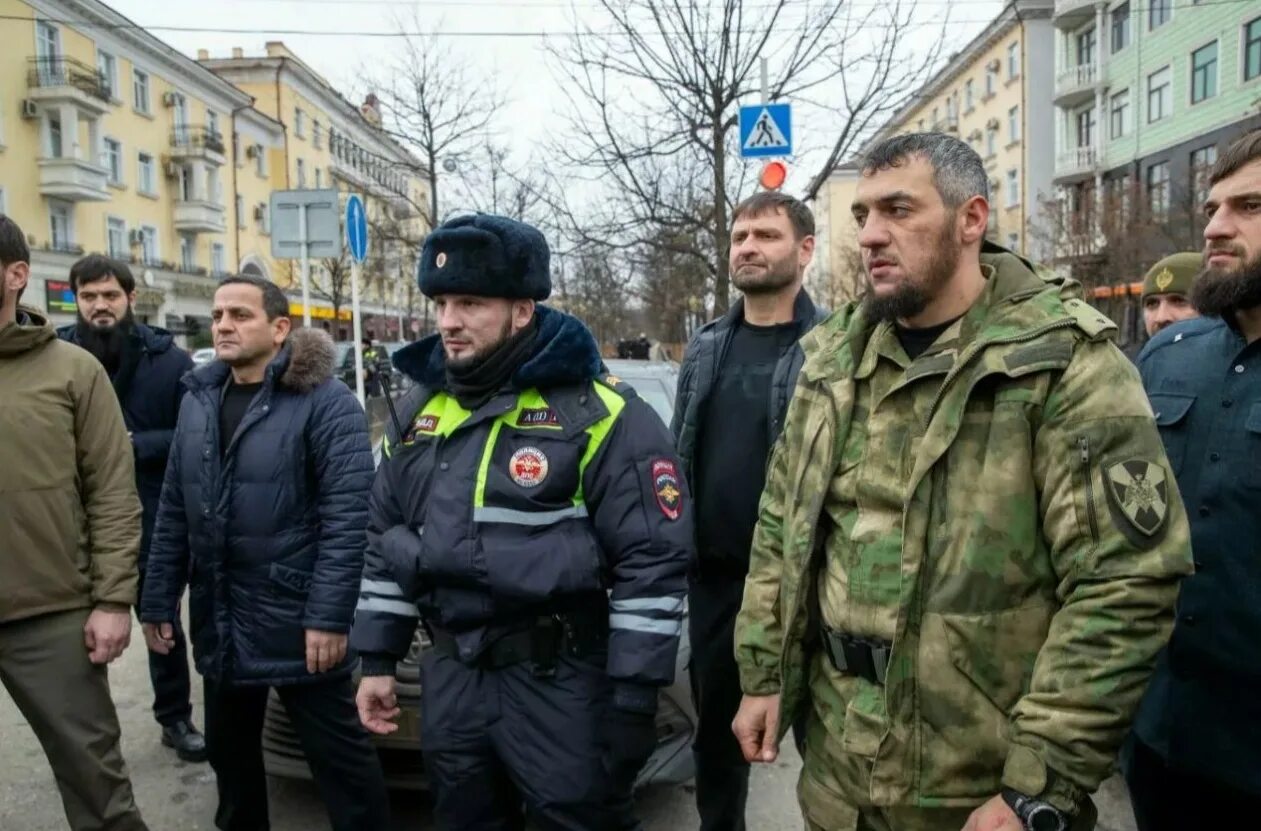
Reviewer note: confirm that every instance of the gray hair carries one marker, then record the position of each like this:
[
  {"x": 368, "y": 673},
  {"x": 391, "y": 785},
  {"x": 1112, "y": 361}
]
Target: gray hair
[{"x": 958, "y": 172}]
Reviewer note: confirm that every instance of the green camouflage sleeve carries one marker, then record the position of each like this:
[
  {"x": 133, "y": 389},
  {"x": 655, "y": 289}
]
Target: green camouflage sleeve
[
  {"x": 759, "y": 633},
  {"x": 1119, "y": 544}
]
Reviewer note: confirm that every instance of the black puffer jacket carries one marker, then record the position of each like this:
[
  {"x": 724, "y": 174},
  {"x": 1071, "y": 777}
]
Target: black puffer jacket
[
  {"x": 270, "y": 540},
  {"x": 150, "y": 397},
  {"x": 704, "y": 358}
]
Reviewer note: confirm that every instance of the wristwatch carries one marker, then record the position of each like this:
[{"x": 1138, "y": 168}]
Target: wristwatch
[{"x": 1035, "y": 814}]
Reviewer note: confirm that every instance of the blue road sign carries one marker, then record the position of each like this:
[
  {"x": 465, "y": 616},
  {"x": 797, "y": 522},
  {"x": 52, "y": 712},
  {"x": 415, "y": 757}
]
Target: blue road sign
[
  {"x": 766, "y": 130},
  {"x": 356, "y": 228}
]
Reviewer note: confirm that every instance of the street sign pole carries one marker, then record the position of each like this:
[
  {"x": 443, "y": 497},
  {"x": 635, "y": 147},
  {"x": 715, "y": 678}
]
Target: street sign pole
[
  {"x": 357, "y": 242},
  {"x": 766, "y": 87},
  {"x": 358, "y": 331},
  {"x": 306, "y": 268}
]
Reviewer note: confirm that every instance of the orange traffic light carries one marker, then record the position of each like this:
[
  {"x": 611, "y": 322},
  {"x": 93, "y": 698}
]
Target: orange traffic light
[{"x": 773, "y": 175}]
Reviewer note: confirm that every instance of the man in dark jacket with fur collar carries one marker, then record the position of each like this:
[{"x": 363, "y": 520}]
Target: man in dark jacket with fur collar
[
  {"x": 533, "y": 512},
  {"x": 263, "y": 511},
  {"x": 144, "y": 368}
]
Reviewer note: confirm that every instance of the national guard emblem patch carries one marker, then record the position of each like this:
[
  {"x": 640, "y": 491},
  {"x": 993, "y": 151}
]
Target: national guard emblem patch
[
  {"x": 1139, "y": 492},
  {"x": 665, "y": 484},
  {"x": 528, "y": 467}
]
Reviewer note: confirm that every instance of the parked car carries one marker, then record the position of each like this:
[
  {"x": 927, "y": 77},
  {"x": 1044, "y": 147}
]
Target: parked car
[
  {"x": 344, "y": 364},
  {"x": 401, "y": 751},
  {"x": 201, "y": 357}
]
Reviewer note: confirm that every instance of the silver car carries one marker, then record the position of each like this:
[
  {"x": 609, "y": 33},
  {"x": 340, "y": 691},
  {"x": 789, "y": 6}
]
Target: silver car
[{"x": 401, "y": 751}]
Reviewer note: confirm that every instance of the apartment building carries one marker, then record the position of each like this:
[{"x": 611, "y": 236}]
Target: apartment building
[
  {"x": 1145, "y": 97},
  {"x": 834, "y": 276}
]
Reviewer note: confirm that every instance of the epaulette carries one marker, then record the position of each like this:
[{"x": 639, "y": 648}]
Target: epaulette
[
  {"x": 617, "y": 385},
  {"x": 1092, "y": 322}
]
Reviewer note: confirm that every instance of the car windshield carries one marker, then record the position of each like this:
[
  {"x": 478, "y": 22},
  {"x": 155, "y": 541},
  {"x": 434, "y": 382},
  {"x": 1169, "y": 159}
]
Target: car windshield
[{"x": 653, "y": 382}]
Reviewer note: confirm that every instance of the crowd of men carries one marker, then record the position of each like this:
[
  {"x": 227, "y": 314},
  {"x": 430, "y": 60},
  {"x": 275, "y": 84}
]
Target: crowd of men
[{"x": 948, "y": 535}]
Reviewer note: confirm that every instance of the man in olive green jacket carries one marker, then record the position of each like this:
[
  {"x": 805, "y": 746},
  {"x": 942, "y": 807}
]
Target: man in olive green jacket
[
  {"x": 970, "y": 541},
  {"x": 71, "y": 535}
]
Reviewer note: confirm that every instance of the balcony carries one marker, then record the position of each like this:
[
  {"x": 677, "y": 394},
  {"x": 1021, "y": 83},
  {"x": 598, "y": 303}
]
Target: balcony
[
  {"x": 189, "y": 142},
  {"x": 1077, "y": 163},
  {"x": 949, "y": 124},
  {"x": 1076, "y": 84},
  {"x": 195, "y": 216},
  {"x": 73, "y": 179},
  {"x": 56, "y": 81},
  {"x": 1069, "y": 14}
]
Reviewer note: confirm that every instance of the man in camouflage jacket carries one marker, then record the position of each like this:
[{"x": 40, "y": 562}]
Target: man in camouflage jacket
[{"x": 992, "y": 525}]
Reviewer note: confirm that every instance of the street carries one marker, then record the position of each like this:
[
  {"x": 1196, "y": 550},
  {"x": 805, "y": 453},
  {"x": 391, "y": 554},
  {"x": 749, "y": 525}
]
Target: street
[{"x": 176, "y": 796}]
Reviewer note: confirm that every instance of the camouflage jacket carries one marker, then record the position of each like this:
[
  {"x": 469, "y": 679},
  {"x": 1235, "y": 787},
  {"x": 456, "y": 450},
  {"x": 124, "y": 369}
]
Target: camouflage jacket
[{"x": 1043, "y": 542}]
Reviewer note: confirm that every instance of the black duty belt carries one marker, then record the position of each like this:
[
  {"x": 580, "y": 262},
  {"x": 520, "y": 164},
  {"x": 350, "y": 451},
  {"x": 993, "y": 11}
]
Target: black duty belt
[
  {"x": 852, "y": 655},
  {"x": 540, "y": 644}
]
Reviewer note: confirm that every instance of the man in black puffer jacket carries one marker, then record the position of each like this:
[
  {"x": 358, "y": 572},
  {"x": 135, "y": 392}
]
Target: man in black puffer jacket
[
  {"x": 263, "y": 511},
  {"x": 145, "y": 368}
]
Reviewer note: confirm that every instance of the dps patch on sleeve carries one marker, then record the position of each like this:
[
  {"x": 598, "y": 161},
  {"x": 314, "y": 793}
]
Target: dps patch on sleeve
[{"x": 1138, "y": 495}]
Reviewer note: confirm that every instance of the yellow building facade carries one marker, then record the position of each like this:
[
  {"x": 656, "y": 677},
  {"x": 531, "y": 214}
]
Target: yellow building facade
[
  {"x": 113, "y": 142},
  {"x": 995, "y": 94}
]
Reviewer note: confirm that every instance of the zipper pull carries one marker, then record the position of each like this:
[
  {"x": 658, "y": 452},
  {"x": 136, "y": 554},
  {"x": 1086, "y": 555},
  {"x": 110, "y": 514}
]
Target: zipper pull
[{"x": 1084, "y": 444}]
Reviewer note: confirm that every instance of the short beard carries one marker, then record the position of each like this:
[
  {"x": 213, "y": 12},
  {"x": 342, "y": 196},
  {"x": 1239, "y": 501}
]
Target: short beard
[
  {"x": 914, "y": 295},
  {"x": 778, "y": 276},
  {"x": 1218, "y": 293},
  {"x": 482, "y": 354}
]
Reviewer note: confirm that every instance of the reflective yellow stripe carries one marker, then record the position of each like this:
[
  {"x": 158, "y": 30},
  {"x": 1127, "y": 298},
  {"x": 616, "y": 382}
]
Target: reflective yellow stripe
[
  {"x": 483, "y": 469},
  {"x": 598, "y": 433}
]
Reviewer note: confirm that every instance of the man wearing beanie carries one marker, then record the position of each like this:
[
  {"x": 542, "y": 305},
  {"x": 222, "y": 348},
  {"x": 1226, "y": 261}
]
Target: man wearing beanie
[
  {"x": 533, "y": 514},
  {"x": 1167, "y": 291}
]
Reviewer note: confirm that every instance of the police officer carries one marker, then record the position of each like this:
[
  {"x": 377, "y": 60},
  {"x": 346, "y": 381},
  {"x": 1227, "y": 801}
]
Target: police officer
[
  {"x": 1167, "y": 291},
  {"x": 535, "y": 514},
  {"x": 970, "y": 542}
]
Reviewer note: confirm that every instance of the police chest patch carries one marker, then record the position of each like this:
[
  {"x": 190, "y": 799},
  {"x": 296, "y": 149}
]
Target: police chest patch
[
  {"x": 1139, "y": 492},
  {"x": 426, "y": 424},
  {"x": 665, "y": 485},
  {"x": 528, "y": 467},
  {"x": 545, "y": 417}
]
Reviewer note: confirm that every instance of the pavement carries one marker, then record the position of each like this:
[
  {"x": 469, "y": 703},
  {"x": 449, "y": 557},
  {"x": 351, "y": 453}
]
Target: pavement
[{"x": 177, "y": 796}]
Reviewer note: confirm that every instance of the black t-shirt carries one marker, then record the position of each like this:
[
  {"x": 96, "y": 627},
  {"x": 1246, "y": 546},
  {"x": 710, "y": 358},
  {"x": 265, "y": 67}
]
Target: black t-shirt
[
  {"x": 733, "y": 445},
  {"x": 915, "y": 342},
  {"x": 236, "y": 401}
]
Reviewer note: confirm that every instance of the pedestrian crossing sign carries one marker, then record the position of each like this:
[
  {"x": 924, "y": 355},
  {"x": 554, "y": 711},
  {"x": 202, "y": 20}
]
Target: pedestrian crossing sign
[{"x": 766, "y": 130}]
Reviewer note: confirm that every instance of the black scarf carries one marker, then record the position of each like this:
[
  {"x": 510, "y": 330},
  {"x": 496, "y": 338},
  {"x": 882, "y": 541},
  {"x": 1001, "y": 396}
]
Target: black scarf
[{"x": 474, "y": 384}]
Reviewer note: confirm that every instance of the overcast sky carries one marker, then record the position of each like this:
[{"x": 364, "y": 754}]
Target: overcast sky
[{"x": 346, "y": 54}]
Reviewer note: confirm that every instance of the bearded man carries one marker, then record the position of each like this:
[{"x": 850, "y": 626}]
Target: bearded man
[
  {"x": 1198, "y": 734},
  {"x": 734, "y": 386},
  {"x": 970, "y": 542},
  {"x": 144, "y": 367}
]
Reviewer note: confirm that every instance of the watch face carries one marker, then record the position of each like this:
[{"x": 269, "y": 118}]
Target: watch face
[{"x": 1046, "y": 818}]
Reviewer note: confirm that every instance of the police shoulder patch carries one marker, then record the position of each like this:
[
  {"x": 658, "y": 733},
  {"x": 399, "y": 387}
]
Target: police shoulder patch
[
  {"x": 666, "y": 488},
  {"x": 1138, "y": 492}
]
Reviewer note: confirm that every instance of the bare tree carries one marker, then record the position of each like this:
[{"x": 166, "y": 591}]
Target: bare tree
[
  {"x": 433, "y": 103},
  {"x": 654, "y": 103},
  {"x": 330, "y": 279},
  {"x": 593, "y": 287}
]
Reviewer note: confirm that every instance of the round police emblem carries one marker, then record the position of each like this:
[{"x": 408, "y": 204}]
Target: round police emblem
[{"x": 528, "y": 467}]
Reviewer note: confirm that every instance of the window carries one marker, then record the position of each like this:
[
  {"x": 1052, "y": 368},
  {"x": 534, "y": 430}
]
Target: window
[
  {"x": 59, "y": 223},
  {"x": 968, "y": 98},
  {"x": 301, "y": 173},
  {"x": 260, "y": 161},
  {"x": 1158, "y": 190},
  {"x": 1158, "y": 13},
  {"x": 1120, "y": 27},
  {"x": 145, "y": 181},
  {"x": 991, "y": 81},
  {"x": 319, "y": 178},
  {"x": 1086, "y": 47},
  {"x": 991, "y": 141},
  {"x": 1202, "y": 162},
  {"x": 140, "y": 90},
  {"x": 108, "y": 67},
  {"x": 4, "y": 202},
  {"x": 315, "y": 133},
  {"x": 217, "y": 258},
  {"x": 1252, "y": 50},
  {"x": 299, "y": 123},
  {"x": 114, "y": 160},
  {"x": 55, "y": 145},
  {"x": 188, "y": 251},
  {"x": 149, "y": 244},
  {"x": 1013, "y": 60},
  {"x": 1013, "y": 188},
  {"x": 180, "y": 108},
  {"x": 1120, "y": 114},
  {"x": 47, "y": 42},
  {"x": 1085, "y": 120},
  {"x": 116, "y": 237},
  {"x": 1204, "y": 73},
  {"x": 936, "y": 120},
  {"x": 240, "y": 211},
  {"x": 1013, "y": 123},
  {"x": 1159, "y": 95},
  {"x": 212, "y": 123}
]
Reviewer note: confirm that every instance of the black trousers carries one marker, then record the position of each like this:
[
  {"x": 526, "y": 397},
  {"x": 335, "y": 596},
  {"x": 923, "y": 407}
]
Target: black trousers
[
  {"x": 722, "y": 774},
  {"x": 503, "y": 745},
  {"x": 342, "y": 759},
  {"x": 1166, "y": 798},
  {"x": 169, "y": 675}
]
